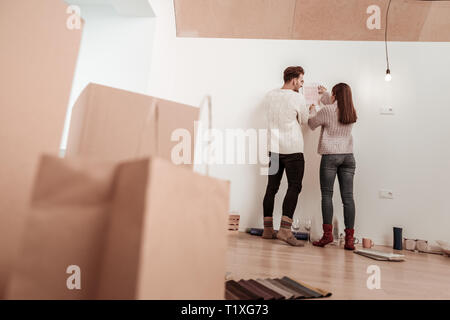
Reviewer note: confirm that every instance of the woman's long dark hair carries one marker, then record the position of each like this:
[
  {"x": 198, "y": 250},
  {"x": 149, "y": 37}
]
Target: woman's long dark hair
[{"x": 347, "y": 112}]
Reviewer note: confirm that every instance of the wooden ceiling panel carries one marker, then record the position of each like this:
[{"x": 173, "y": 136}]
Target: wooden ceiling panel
[
  {"x": 335, "y": 20},
  {"x": 265, "y": 19},
  {"x": 437, "y": 24},
  {"x": 409, "y": 20},
  {"x": 406, "y": 19},
  {"x": 347, "y": 20}
]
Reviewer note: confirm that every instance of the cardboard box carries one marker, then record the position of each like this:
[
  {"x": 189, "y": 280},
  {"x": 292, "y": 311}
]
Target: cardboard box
[
  {"x": 37, "y": 62},
  {"x": 140, "y": 229},
  {"x": 114, "y": 124}
]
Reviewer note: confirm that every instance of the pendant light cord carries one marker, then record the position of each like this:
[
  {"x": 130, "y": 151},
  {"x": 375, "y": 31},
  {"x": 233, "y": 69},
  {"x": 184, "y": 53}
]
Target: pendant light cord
[{"x": 386, "y": 34}]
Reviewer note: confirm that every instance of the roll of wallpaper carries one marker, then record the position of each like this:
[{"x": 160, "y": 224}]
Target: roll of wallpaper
[
  {"x": 256, "y": 232},
  {"x": 398, "y": 238},
  {"x": 259, "y": 232},
  {"x": 301, "y": 235}
]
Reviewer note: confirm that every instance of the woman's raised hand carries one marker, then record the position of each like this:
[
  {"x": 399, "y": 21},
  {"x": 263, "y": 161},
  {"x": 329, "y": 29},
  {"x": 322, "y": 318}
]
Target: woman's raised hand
[{"x": 322, "y": 89}]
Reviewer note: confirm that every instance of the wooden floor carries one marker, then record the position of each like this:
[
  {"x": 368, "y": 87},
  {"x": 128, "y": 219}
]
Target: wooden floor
[{"x": 421, "y": 276}]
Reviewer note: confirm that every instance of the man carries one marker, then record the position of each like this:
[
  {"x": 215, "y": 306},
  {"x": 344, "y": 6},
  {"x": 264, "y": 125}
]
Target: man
[{"x": 287, "y": 111}]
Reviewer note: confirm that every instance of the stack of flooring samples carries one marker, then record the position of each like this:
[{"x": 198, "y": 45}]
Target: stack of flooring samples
[
  {"x": 233, "y": 222},
  {"x": 271, "y": 289},
  {"x": 380, "y": 255}
]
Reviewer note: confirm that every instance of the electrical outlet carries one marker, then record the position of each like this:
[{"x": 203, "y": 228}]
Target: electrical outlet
[
  {"x": 386, "y": 194},
  {"x": 387, "y": 110}
]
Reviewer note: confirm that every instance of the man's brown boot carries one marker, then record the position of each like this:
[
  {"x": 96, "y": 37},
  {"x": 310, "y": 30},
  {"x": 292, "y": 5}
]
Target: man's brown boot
[
  {"x": 268, "y": 232},
  {"x": 285, "y": 233}
]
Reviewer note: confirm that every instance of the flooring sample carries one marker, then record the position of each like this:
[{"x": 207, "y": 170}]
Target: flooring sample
[
  {"x": 284, "y": 288},
  {"x": 233, "y": 222},
  {"x": 229, "y": 295},
  {"x": 380, "y": 255},
  {"x": 240, "y": 291},
  {"x": 303, "y": 294},
  {"x": 281, "y": 286},
  {"x": 286, "y": 294},
  {"x": 269, "y": 291},
  {"x": 256, "y": 290},
  {"x": 233, "y": 293},
  {"x": 308, "y": 293},
  {"x": 297, "y": 294},
  {"x": 37, "y": 62}
]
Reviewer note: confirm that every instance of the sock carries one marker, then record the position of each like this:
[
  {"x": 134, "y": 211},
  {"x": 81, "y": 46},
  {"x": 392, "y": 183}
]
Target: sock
[
  {"x": 286, "y": 223},
  {"x": 268, "y": 222},
  {"x": 268, "y": 232}
]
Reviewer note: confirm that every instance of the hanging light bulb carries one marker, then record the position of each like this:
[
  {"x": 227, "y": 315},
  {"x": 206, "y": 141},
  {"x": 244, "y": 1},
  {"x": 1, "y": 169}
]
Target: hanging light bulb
[{"x": 388, "y": 76}]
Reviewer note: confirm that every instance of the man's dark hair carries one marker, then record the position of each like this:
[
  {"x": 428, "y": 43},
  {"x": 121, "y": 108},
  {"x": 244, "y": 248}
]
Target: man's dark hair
[{"x": 292, "y": 73}]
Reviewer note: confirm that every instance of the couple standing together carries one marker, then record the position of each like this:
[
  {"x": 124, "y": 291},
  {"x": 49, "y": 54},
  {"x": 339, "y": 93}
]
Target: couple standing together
[{"x": 287, "y": 111}]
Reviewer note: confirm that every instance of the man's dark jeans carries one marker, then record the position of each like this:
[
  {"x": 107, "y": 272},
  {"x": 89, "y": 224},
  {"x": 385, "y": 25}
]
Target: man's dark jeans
[
  {"x": 294, "y": 164},
  {"x": 342, "y": 165}
]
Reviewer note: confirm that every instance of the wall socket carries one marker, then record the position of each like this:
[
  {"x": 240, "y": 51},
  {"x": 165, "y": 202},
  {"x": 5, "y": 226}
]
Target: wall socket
[
  {"x": 386, "y": 194},
  {"x": 387, "y": 110}
]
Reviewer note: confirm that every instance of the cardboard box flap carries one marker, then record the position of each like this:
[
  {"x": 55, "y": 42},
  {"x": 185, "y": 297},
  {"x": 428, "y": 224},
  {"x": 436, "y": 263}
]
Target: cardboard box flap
[{"x": 116, "y": 124}]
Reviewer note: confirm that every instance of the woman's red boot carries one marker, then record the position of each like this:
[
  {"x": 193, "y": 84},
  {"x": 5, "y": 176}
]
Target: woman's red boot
[
  {"x": 349, "y": 239},
  {"x": 327, "y": 236}
]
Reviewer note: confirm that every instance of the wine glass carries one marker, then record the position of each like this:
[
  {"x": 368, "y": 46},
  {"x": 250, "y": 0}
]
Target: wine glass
[
  {"x": 295, "y": 227},
  {"x": 307, "y": 223}
]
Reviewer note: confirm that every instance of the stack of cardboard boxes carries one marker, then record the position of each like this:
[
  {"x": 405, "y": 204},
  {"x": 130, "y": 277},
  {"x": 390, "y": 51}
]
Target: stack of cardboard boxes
[{"x": 123, "y": 216}]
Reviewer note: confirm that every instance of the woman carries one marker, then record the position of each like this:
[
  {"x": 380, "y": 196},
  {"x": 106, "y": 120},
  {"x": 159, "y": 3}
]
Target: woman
[{"x": 336, "y": 119}]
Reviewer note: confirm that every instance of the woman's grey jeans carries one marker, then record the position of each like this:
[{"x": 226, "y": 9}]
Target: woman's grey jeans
[{"x": 342, "y": 165}]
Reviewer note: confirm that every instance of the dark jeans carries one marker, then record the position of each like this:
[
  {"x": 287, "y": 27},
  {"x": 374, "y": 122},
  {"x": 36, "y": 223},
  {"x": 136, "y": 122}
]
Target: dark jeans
[
  {"x": 342, "y": 165},
  {"x": 294, "y": 164}
]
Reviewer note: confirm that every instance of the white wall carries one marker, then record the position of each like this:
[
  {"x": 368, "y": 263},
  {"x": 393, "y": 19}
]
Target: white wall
[
  {"x": 407, "y": 153},
  {"x": 115, "y": 51}
]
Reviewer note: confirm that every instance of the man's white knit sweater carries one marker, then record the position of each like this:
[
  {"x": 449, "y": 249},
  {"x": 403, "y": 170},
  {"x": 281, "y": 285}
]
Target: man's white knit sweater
[{"x": 286, "y": 112}]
